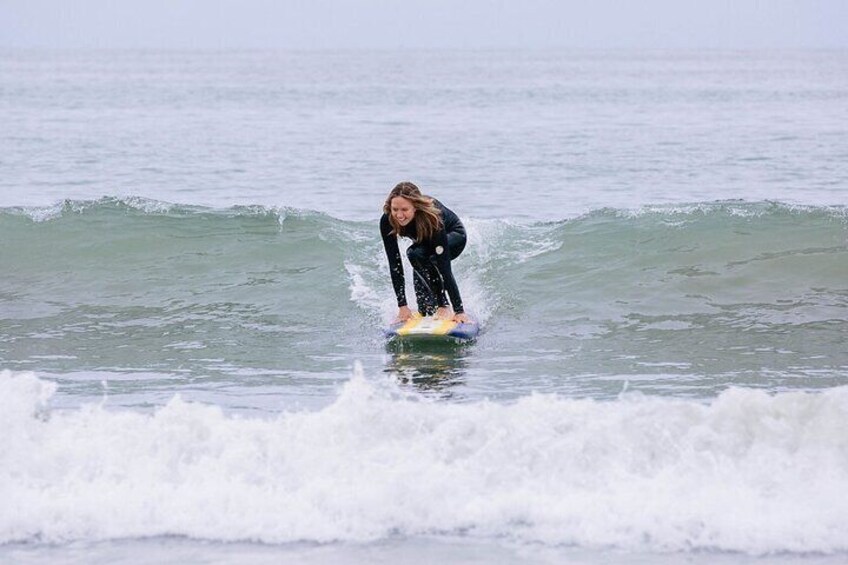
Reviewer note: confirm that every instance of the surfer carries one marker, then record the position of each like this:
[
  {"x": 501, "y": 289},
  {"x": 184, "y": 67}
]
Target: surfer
[{"x": 438, "y": 237}]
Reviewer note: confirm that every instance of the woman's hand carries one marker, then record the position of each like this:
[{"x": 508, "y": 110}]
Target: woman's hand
[
  {"x": 461, "y": 318},
  {"x": 404, "y": 314},
  {"x": 443, "y": 313}
]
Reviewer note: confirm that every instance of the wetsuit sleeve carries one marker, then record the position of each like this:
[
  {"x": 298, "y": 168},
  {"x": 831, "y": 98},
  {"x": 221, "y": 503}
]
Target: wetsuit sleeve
[
  {"x": 390, "y": 243},
  {"x": 443, "y": 263},
  {"x": 450, "y": 220}
]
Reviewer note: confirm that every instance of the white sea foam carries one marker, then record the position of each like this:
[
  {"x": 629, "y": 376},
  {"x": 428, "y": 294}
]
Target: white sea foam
[
  {"x": 365, "y": 294},
  {"x": 146, "y": 205},
  {"x": 676, "y": 214},
  {"x": 46, "y": 213},
  {"x": 497, "y": 239},
  {"x": 39, "y": 213},
  {"x": 56, "y": 210},
  {"x": 748, "y": 471}
]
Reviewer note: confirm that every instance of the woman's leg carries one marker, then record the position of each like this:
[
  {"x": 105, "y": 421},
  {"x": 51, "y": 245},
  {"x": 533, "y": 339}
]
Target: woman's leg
[
  {"x": 456, "y": 244},
  {"x": 428, "y": 282},
  {"x": 422, "y": 279}
]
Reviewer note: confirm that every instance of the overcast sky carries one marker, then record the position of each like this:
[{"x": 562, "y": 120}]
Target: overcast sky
[{"x": 330, "y": 24}]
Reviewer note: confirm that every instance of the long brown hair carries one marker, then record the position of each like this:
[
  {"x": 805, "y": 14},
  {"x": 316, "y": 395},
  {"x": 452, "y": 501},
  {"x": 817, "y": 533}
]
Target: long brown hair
[{"x": 428, "y": 217}]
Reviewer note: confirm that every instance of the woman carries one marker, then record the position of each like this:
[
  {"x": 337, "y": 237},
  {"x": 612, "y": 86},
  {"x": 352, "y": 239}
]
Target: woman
[{"x": 439, "y": 237}]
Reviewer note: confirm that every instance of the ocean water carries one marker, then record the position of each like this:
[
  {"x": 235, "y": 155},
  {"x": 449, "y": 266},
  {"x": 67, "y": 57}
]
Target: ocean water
[{"x": 192, "y": 287}]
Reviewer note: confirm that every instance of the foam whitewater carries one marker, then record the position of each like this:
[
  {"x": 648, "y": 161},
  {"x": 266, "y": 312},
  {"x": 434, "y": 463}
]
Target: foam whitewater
[{"x": 746, "y": 472}]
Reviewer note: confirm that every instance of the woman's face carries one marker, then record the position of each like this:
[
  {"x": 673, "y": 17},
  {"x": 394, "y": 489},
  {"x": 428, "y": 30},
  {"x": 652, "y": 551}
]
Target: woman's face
[{"x": 402, "y": 210}]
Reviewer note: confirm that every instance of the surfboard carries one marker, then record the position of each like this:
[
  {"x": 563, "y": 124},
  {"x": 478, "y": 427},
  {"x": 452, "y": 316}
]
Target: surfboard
[{"x": 430, "y": 328}]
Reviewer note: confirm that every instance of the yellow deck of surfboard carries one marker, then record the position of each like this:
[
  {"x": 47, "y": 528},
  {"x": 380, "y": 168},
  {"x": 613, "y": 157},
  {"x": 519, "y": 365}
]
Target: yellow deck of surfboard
[{"x": 426, "y": 326}]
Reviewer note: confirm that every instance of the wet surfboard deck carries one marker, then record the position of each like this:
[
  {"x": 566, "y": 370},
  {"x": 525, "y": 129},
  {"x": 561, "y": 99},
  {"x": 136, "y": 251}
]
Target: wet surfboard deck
[{"x": 430, "y": 328}]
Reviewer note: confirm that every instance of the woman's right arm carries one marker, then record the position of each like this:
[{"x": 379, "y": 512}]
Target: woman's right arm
[{"x": 390, "y": 243}]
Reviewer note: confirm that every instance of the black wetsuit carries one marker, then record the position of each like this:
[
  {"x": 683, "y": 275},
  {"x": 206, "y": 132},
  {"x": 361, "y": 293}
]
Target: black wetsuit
[{"x": 431, "y": 261}]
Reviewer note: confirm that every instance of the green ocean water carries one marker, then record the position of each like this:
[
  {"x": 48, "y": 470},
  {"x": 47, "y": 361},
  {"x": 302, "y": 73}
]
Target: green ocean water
[{"x": 682, "y": 300}]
